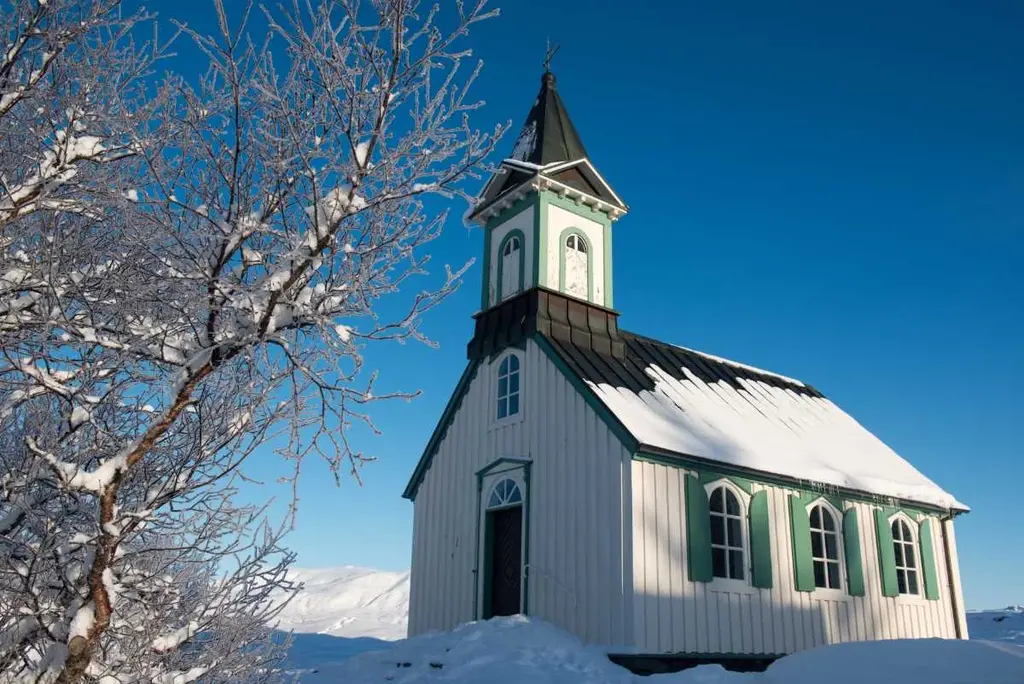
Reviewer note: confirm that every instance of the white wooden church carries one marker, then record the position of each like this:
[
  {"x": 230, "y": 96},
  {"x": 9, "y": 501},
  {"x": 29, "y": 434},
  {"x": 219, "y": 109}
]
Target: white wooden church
[{"x": 648, "y": 497}]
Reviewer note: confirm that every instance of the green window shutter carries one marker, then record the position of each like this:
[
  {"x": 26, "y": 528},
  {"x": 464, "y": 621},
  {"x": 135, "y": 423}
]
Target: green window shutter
[
  {"x": 698, "y": 531},
  {"x": 886, "y": 556},
  {"x": 803, "y": 565},
  {"x": 851, "y": 547},
  {"x": 760, "y": 541},
  {"x": 931, "y": 580}
]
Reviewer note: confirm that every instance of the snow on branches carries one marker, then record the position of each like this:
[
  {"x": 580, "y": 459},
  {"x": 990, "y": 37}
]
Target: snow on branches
[{"x": 189, "y": 267}]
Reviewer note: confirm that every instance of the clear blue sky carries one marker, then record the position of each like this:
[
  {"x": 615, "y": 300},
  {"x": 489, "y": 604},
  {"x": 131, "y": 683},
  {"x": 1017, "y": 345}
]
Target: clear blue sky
[{"x": 832, "y": 192}]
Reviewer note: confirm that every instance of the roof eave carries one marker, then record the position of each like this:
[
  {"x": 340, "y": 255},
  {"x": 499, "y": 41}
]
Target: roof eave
[
  {"x": 537, "y": 182},
  {"x": 796, "y": 483}
]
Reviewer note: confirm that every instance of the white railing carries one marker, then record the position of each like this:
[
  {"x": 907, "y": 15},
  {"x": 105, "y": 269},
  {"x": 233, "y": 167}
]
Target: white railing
[{"x": 531, "y": 569}]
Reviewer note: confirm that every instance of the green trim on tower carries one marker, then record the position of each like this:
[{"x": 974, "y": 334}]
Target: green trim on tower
[
  {"x": 760, "y": 541},
  {"x": 540, "y": 231},
  {"x": 514, "y": 233},
  {"x": 851, "y": 549},
  {"x": 608, "y": 301},
  {"x": 577, "y": 207},
  {"x": 498, "y": 219},
  {"x": 485, "y": 289},
  {"x": 803, "y": 562},
  {"x": 886, "y": 554},
  {"x": 698, "y": 531},
  {"x": 931, "y": 577},
  {"x": 572, "y": 230}
]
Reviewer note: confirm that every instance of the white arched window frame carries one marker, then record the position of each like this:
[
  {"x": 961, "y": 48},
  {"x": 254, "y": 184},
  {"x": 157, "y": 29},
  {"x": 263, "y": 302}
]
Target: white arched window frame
[
  {"x": 510, "y": 265},
  {"x": 827, "y": 552},
  {"x": 508, "y": 388},
  {"x": 729, "y": 507},
  {"x": 504, "y": 494},
  {"x": 575, "y": 271},
  {"x": 908, "y": 561}
]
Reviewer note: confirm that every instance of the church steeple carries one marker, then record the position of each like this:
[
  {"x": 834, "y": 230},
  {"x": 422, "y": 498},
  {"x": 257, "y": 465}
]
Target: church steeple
[{"x": 547, "y": 212}]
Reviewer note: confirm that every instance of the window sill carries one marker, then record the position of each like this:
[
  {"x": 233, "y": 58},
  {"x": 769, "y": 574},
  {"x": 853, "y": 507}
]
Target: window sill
[
  {"x": 914, "y": 599},
  {"x": 821, "y": 594},
  {"x": 731, "y": 586},
  {"x": 507, "y": 421}
]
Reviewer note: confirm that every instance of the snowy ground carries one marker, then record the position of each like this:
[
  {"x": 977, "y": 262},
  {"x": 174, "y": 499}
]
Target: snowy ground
[{"x": 339, "y": 603}]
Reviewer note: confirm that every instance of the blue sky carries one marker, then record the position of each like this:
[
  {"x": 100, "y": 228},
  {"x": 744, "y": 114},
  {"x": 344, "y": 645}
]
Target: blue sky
[{"x": 832, "y": 192}]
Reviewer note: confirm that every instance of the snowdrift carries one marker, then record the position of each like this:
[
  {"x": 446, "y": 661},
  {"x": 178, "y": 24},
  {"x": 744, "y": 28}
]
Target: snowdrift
[{"x": 517, "y": 649}]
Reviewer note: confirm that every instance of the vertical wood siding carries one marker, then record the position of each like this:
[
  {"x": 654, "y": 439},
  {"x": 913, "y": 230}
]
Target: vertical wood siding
[
  {"x": 580, "y": 572},
  {"x": 673, "y": 614}
]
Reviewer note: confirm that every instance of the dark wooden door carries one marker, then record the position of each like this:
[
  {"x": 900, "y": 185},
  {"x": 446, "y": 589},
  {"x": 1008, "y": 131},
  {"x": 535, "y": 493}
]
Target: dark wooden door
[{"x": 506, "y": 528}]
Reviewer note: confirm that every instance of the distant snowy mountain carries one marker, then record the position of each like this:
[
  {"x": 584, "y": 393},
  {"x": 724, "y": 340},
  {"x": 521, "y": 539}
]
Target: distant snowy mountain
[{"x": 349, "y": 602}]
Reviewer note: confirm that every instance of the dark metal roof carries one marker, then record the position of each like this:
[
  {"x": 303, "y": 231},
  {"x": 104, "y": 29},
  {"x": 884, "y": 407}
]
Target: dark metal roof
[
  {"x": 548, "y": 136},
  {"x": 554, "y": 137},
  {"x": 642, "y": 352}
]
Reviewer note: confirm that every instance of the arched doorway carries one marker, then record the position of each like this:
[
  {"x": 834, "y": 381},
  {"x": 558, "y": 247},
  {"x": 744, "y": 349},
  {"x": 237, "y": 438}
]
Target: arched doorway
[{"x": 503, "y": 550}]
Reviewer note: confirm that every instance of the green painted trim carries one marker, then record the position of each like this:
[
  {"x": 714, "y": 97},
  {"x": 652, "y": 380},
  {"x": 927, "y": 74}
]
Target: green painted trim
[
  {"x": 800, "y": 526},
  {"x": 571, "y": 230},
  {"x": 501, "y": 217},
  {"x": 709, "y": 476},
  {"x": 485, "y": 300},
  {"x": 491, "y": 469},
  {"x": 514, "y": 233},
  {"x": 760, "y": 541},
  {"x": 488, "y": 553},
  {"x": 647, "y": 453},
  {"x": 476, "y": 548},
  {"x": 931, "y": 577},
  {"x": 577, "y": 208},
  {"x": 608, "y": 301},
  {"x": 886, "y": 555},
  {"x": 504, "y": 460},
  {"x": 540, "y": 232},
  {"x": 454, "y": 401},
  {"x": 810, "y": 497},
  {"x": 698, "y": 532},
  {"x": 851, "y": 549},
  {"x": 580, "y": 209},
  {"x": 504, "y": 215},
  {"x": 607, "y": 417}
]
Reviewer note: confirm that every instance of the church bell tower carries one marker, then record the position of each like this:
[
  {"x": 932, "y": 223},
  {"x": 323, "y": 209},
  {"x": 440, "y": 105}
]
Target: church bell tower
[{"x": 547, "y": 214}]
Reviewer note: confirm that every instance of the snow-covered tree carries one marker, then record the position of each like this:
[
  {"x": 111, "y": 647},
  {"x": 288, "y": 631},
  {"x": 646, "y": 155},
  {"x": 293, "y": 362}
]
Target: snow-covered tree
[{"x": 190, "y": 270}]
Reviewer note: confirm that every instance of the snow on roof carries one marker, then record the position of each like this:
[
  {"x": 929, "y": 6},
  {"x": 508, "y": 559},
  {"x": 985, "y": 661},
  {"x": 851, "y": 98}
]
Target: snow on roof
[
  {"x": 680, "y": 401},
  {"x": 768, "y": 428}
]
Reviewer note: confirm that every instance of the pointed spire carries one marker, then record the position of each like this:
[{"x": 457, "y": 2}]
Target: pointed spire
[
  {"x": 548, "y": 148},
  {"x": 548, "y": 135}
]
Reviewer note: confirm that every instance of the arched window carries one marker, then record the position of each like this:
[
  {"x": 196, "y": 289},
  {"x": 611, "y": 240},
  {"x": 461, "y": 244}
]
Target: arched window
[
  {"x": 576, "y": 266},
  {"x": 825, "y": 548},
  {"x": 505, "y": 493},
  {"x": 727, "y": 557},
  {"x": 906, "y": 559},
  {"x": 508, "y": 387},
  {"x": 511, "y": 267}
]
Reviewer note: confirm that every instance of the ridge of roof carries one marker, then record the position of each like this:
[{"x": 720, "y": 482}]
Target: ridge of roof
[{"x": 738, "y": 365}]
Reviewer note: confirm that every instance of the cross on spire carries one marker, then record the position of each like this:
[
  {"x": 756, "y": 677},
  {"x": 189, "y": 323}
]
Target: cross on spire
[{"x": 548, "y": 55}]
